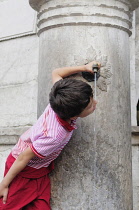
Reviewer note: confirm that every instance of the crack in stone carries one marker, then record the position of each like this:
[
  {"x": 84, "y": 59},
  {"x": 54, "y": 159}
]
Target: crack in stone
[{"x": 17, "y": 84}]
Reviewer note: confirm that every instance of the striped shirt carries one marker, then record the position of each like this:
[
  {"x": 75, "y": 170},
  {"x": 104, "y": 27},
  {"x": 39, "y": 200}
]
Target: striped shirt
[{"x": 47, "y": 137}]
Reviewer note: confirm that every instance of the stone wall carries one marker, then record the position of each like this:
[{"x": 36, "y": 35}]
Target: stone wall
[
  {"x": 135, "y": 166},
  {"x": 18, "y": 88},
  {"x": 96, "y": 165},
  {"x": 19, "y": 47},
  {"x": 135, "y": 175},
  {"x": 137, "y": 54},
  {"x": 134, "y": 99}
]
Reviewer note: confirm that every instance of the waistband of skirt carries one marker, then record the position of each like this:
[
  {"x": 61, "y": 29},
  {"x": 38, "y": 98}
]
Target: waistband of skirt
[{"x": 29, "y": 172}]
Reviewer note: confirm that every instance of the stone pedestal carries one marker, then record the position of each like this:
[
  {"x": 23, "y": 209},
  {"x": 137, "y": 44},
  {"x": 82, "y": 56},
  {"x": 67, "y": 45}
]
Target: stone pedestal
[{"x": 94, "y": 170}]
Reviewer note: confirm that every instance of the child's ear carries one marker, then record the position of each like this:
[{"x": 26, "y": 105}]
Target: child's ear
[{"x": 73, "y": 118}]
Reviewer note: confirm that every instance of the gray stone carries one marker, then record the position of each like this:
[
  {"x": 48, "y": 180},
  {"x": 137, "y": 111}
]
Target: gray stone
[
  {"x": 135, "y": 130},
  {"x": 94, "y": 170},
  {"x": 137, "y": 56},
  {"x": 4, "y": 152},
  {"x": 10, "y": 135},
  {"x": 135, "y": 175},
  {"x": 18, "y": 81}
]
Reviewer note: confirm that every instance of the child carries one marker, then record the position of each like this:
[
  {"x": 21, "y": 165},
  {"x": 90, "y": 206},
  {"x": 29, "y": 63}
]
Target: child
[{"x": 26, "y": 185}]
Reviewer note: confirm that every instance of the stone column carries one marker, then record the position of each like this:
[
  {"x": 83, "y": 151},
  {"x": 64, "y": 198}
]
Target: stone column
[{"x": 94, "y": 170}]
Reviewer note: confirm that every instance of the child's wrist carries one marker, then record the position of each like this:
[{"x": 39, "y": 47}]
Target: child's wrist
[
  {"x": 83, "y": 68},
  {"x": 4, "y": 183}
]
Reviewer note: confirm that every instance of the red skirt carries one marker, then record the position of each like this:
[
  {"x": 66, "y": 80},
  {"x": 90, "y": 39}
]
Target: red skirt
[{"x": 29, "y": 190}]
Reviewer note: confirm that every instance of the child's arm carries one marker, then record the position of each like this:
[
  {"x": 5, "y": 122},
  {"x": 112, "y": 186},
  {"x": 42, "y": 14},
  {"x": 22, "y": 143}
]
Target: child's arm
[
  {"x": 17, "y": 166},
  {"x": 60, "y": 73}
]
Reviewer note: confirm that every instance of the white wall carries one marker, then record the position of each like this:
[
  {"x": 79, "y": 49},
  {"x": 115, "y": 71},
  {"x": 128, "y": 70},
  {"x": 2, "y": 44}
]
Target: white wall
[
  {"x": 18, "y": 81},
  {"x": 19, "y": 51},
  {"x": 16, "y": 18}
]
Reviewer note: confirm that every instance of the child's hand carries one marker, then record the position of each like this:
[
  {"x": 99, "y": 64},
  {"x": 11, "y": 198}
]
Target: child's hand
[
  {"x": 89, "y": 66},
  {"x": 3, "y": 192}
]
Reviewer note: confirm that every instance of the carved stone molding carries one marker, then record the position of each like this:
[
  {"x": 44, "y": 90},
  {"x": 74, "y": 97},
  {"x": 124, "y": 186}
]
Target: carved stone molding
[
  {"x": 135, "y": 135},
  {"x": 105, "y": 71},
  {"x": 36, "y": 4},
  {"x": 134, "y": 4},
  {"x": 10, "y": 135},
  {"x": 54, "y": 14}
]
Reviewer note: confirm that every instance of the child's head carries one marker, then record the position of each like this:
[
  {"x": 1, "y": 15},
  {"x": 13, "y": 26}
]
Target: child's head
[{"x": 70, "y": 98}]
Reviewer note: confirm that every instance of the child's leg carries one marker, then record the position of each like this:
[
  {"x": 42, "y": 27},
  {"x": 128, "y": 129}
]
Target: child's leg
[
  {"x": 42, "y": 202},
  {"x": 34, "y": 194},
  {"x": 21, "y": 192},
  {"x": 38, "y": 204}
]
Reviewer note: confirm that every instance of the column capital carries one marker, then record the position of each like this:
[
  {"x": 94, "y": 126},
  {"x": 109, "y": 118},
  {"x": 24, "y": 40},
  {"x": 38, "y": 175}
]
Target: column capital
[
  {"x": 134, "y": 4},
  {"x": 110, "y": 13},
  {"x": 36, "y": 4}
]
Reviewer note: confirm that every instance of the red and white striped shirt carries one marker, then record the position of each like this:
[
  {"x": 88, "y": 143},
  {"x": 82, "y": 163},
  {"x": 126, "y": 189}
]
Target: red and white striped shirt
[{"x": 47, "y": 137}]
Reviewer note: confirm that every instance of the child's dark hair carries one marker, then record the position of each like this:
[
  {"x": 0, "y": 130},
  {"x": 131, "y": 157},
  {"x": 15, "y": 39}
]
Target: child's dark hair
[{"x": 69, "y": 97}]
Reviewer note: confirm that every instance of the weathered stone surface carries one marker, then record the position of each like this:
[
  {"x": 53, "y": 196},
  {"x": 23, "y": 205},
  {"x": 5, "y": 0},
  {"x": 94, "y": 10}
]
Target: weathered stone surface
[
  {"x": 35, "y": 4},
  {"x": 133, "y": 73},
  {"x": 101, "y": 13},
  {"x": 94, "y": 170},
  {"x": 135, "y": 175},
  {"x": 10, "y": 135},
  {"x": 18, "y": 81},
  {"x": 4, "y": 152},
  {"x": 135, "y": 130},
  {"x": 135, "y": 141},
  {"x": 132, "y": 4},
  {"x": 18, "y": 91},
  {"x": 137, "y": 55}
]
